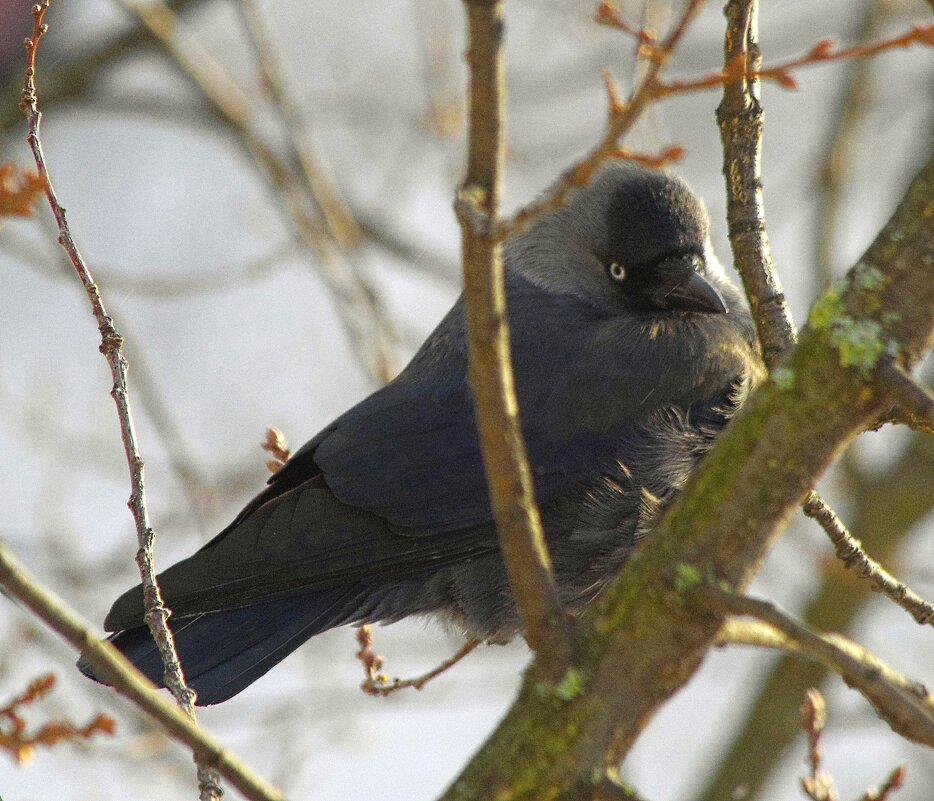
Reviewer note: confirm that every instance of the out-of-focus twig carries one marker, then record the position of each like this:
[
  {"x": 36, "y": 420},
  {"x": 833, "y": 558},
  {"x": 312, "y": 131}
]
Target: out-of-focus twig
[
  {"x": 849, "y": 550},
  {"x": 156, "y": 616},
  {"x": 518, "y": 523},
  {"x": 114, "y": 668},
  {"x": 20, "y": 743},
  {"x": 378, "y": 683},
  {"x": 894, "y": 782},
  {"x": 146, "y": 284},
  {"x": 19, "y": 190},
  {"x": 340, "y": 222},
  {"x": 357, "y": 304},
  {"x": 819, "y": 785},
  {"x": 905, "y": 705},
  {"x": 276, "y": 446},
  {"x": 841, "y": 151},
  {"x": 184, "y": 286}
]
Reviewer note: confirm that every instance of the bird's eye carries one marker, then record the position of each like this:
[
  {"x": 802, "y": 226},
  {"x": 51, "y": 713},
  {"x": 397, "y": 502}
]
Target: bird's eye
[{"x": 617, "y": 271}]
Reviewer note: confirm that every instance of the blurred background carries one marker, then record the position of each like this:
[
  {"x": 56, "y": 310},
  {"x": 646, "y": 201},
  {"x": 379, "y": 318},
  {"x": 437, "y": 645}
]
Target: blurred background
[{"x": 272, "y": 248}]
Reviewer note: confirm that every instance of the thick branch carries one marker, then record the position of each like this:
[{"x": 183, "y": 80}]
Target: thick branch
[
  {"x": 885, "y": 509},
  {"x": 641, "y": 642},
  {"x": 522, "y": 538},
  {"x": 113, "y": 667}
]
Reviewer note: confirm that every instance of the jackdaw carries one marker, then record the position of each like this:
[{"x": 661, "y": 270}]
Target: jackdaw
[{"x": 631, "y": 351}]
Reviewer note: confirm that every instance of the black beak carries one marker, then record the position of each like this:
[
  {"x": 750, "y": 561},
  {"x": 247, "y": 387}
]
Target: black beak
[{"x": 678, "y": 286}]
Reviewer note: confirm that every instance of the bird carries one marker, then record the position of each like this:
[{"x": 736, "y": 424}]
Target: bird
[{"x": 631, "y": 350}]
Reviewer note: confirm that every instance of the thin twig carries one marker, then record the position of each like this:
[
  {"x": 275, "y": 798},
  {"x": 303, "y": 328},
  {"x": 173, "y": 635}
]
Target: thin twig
[
  {"x": 18, "y": 741},
  {"x": 851, "y": 553},
  {"x": 518, "y": 522},
  {"x": 894, "y": 782},
  {"x": 818, "y": 786},
  {"x": 113, "y": 667},
  {"x": 156, "y": 615},
  {"x": 738, "y": 73},
  {"x": 904, "y": 704},
  {"x": 609, "y": 15},
  {"x": 76, "y": 70},
  {"x": 739, "y": 70},
  {"x": 622, "y": 116},
  {"x": 378, "y": 683}
]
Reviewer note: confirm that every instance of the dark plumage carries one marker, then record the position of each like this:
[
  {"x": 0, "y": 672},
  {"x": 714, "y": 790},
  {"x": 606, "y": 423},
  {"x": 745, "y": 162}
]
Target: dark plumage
[{"x": 631, "y": 351}]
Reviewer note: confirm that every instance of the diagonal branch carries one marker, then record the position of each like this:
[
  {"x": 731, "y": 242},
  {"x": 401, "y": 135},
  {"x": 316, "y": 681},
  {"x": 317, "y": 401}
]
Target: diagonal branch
[
  {"x": 522, "y": 539},
  {"x": 904, "y": 704},
  {"x": 850, "y": 552},
  {"x": 358, "y": 307},
  {"x": 622, "y": 116},
  {"x": 914, "y": 405},
  {"x": 640, "y": 641},
  {"x": 740, "y": 120},
  {"x": 113, "y": 666}
]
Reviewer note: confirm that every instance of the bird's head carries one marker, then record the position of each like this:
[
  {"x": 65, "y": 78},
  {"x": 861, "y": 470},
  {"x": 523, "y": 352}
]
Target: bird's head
[{"x": 633, "y": 239}]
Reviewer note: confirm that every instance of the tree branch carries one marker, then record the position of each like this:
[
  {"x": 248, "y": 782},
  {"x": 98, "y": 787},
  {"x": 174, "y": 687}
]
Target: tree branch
[
  {"x": 905, "y": 705},
  {"x": 850, "y": 552},
  {"x": 914, "y": 405},
  {"x": 622, "y": 115},
  {"x": 522, "y": 538},
  {"x": 739, "y": 117},
  {"x": 156, "y": 615},
  {"x": 358, "y": 307},
  {"x": 885, "y": 508},
  {"x": 640, "y": 641},
  {"x": 112, "y": 666},
  {"x": 740, "y": 120}
]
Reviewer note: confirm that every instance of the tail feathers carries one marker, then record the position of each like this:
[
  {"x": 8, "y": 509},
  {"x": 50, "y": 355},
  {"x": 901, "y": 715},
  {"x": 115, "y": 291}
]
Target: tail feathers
[{"x": 224, "y": 652}]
